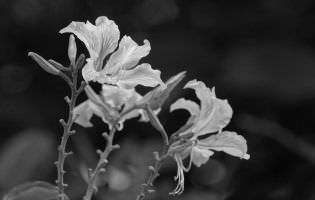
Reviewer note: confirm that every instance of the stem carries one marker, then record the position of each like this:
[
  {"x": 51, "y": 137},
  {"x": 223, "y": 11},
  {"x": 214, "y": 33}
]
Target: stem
[
  {"x": 146, "y": 187},
  {"x": 154, "y": 170},
  {"x": 157, "y": 124},
  {"x": 67, "y": 132},
  {"x": 100, "y": 167},
  {"x": 101, "y": 163}
]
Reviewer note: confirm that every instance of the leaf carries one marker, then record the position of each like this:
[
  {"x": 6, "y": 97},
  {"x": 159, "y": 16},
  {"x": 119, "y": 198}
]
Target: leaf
[{"x": 37, "y": 190}]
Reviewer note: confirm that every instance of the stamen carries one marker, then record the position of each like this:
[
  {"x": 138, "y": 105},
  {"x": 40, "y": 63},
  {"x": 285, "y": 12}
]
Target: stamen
[{"x": 179, "y": 177}]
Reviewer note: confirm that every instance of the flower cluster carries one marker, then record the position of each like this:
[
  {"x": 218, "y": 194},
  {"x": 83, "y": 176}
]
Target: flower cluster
[{"x": 113, "y": 63}]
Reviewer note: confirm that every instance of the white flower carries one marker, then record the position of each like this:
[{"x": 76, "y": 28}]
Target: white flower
[
  {"x": 108, "y": 105},
  {"x": 121, "y": 68},
  {"x": 211, "y": 116}
]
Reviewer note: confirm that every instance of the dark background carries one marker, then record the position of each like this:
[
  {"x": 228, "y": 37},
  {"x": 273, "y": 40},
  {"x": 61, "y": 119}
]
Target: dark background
[{"x": 259, "y": 54}]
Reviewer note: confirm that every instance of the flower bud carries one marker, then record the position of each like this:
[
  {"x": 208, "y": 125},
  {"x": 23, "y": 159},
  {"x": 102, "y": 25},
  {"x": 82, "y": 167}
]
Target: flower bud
[
  {"x": 157, "y": 97},
  {"x": 72, "y": 49},
  {"x": 44, "y": 63}
]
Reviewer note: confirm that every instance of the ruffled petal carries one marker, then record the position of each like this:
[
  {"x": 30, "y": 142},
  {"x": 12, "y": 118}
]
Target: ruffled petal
[
  {"x": 200, "y": 156},
  {"x": 86, "y": 32},
  {"x": 190, "y": 106},
  {"x": 100, "y": 39},
  {"x": 84, "y": 112},
  {"x": 219, "y": 117},
  {"x": 229, "y": 142},
  {"x": 194, "y": 110},
  {"x": 141, "y": 75},
  {"x": 110, "y": 35},
  {"x": 215, "y": 113},
  {"x": 205, "y": 96},
  {"x": 127, "y": 56}
]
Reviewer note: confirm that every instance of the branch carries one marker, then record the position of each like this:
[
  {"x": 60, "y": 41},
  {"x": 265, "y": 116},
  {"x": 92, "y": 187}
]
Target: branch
[
  {"x": 146, "y": 187},
  {"x": 67, "y": 132},
  {"x": 154, "y": 170},
  {"x": 100, "y": 167}
]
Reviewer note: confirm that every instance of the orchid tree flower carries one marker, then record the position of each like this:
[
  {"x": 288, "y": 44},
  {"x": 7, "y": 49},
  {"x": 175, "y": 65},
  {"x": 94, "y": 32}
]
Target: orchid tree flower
[
  {"x": 113, "y": 101},
  {"x": 193, "y": 140},
  {"x": 105, "y": 65},
  {"x": 108, "y": 105}
]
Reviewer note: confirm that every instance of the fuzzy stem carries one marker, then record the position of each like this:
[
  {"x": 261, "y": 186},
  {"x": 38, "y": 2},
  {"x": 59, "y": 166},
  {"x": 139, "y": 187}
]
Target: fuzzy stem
[{"x": 67, "y": 132}]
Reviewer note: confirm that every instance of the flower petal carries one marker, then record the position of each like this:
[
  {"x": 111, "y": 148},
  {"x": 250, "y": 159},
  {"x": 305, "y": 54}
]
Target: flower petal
[
  {"x": 127, "y": 56},
  {"x": 205, "y": 96},
  {"x": 219, "y": 117},
  {"x": 88, "y": 71},
  {"x": 141, "y": 75},
  {"x": 200, "y": 156},
  {"x": 84, "y": 112},
  {"x": 215, "y": 113},
  {"x": 117, "y": 96},
  {"x": 100, "y": 39},
  {"x": 86, "y": 33},
  {"x": 190, "y": 106},
  {"x": 229, "y": 142}
]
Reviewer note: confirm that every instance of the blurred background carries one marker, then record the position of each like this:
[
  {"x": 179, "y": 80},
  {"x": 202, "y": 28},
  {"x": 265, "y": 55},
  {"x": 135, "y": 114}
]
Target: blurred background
[{"x": 259, "y": 54}]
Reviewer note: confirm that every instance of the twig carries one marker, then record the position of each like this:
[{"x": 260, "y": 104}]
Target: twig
[
  {"x": 67, "y": 132},
  {"x": 101, "y": 163},
  {"x": 146, "y": 187},
  {"x": 100, "y": 167},
  {"x": 154, "y": 170}
]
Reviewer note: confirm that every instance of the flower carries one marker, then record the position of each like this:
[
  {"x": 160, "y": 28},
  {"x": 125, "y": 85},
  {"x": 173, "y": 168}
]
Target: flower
[
  {"x": 121, "y": 67},
  {"x": 108, "y": 105},
  {"x": 115, "y": 100},
  {"x": 211, "y": 116}
]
